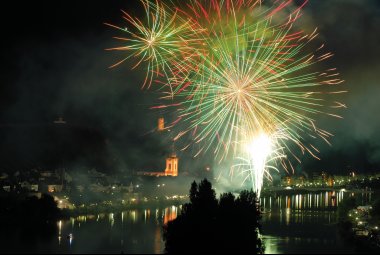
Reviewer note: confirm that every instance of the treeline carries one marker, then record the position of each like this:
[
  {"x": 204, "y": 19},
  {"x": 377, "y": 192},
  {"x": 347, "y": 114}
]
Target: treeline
[
  {"x": 25, "y": 220},
  {"x": 209, "y": 225},
  {"x": 347, "y": 222}
]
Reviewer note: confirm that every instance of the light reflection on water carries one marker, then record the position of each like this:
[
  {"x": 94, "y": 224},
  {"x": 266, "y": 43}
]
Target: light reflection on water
[
  {"x": 311, "y": 202},
  {"x": 304, "y": 223},
  {"x": 291, "y": 224},
  {"x": 323, "y": 200},
  {"x": 132, "y": 231}
]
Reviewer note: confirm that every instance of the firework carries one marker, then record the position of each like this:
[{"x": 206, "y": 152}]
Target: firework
[
  {"x": 243, "y": 79},
  {"x": 158, "y": 42},
  {"x": 259, "y": 157}
]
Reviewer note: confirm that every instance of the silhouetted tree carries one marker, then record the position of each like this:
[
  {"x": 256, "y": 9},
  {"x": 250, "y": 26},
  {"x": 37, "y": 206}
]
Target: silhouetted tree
[
  {"x": 344, "y": 223},
  {"x": 208, "y": 225},
  {"x": 193, "y": 192},
  {"x": 376, "y": 209},
  {"x": 345, "y": 206},
  {"x": 27, "y": 220}
]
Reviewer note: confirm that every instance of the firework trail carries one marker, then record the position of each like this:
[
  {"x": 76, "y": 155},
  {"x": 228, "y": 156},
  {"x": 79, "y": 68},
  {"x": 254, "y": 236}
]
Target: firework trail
[
  {"x": 158, "y": 42},
  {"x": 242, "y": 79}
]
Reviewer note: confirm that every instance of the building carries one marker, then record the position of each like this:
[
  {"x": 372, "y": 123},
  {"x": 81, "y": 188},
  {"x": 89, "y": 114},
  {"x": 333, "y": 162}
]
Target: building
[
  {"x": 299, "y": 181},
  {"x": 29, "y": 186},
  {"x": 170, "y": 170},
  {"x": 286, "y": 181},
  {"x": 171, "y": 165},
  {"x": 317, "y": 179},
  {"x": 52, "y": 188},
  {"x": 7, "y": 188},
  {"x": 330, "y": 181},
  {"x": 47, "y": 174},
  {"x": 161, "y": 124}
]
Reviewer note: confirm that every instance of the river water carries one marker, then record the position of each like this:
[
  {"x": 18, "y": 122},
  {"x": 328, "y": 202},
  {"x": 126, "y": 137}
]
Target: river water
[
  {"x": 291, "y": 224},
  {"x": 305, "y": 223}
]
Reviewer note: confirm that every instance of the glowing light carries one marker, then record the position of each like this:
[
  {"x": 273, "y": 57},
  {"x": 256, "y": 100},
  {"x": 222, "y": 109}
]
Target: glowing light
[
  {"x": 259, "y": 150},
  {"x": 70, "y": 237},
  {"x": 233, "y": 78}
]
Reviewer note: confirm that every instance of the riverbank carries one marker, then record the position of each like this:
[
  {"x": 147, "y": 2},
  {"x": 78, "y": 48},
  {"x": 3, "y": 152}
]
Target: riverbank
[
  {"x": 287, "y": 228},
  {"x": 358, "y": 226},
  {"x": 362, "y": 241},
  {"x": 112, "y": 207},
  {"x": 307, "y": 190}
]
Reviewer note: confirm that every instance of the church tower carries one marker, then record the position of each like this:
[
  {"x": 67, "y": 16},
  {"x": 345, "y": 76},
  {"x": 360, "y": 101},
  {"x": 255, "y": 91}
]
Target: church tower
[
  {"x": 171, "y": 161},
  {"x": 161, "y": 124},
  {"x": 172, "y": 165}
]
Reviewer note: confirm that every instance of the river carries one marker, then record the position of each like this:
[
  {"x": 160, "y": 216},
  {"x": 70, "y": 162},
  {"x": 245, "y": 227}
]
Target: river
[{"x": 290, "y": 224}]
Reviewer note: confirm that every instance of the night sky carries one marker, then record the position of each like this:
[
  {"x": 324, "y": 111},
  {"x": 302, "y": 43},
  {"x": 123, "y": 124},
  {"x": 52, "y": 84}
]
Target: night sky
[{"x": 54, "y": 64}]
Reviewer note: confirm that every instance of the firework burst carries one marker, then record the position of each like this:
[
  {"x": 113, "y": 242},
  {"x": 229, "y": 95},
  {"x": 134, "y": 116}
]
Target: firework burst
[
  {"x": 242, "y": 79},
  {"x": 158, "y": 42}
]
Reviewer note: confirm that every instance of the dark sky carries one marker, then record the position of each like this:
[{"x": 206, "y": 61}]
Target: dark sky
[{"x": 54, "y": 64}]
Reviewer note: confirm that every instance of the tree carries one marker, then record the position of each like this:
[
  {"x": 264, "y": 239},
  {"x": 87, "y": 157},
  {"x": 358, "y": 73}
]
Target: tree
[
  {"x": 207, "y": 224},
  {"x": 345, "y": 206},
  {"x": 344, "y": 222},
  {"x": 376, "y": 209},
  {"x": 193, "y": 192},
  {"x": 27, "y": 221}
]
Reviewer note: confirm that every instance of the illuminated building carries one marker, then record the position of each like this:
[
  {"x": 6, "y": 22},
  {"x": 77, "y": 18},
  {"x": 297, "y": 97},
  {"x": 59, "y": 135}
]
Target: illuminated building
[
  {"x": 171, "y": 165},
  {"x": 170, "y": 170},
  {"x": 287, "y": 181},
  {"x": 330, "y": 181},
  {"x": 298, "y": 181},
  {"x": 52, "y": 188},
  {"x": 317, "y": 178},
  {"x": 161, "y": 124},
  {"x": 171, "y": 161}
]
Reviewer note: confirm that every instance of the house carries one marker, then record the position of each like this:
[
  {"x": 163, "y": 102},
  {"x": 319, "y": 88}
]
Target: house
[
  {"x": 7, "y": 188},
  {"x": 52, "y": 188},
  {"x": 29, "y": 186}
]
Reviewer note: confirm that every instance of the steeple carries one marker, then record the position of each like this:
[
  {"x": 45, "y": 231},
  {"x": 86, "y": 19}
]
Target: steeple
[
  {"x": 172, "y": 163},
  {"x": 161, "y": 125}
]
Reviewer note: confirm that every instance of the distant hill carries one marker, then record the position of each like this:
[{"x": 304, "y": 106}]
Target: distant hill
[{"x": 51, "y": 146}]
